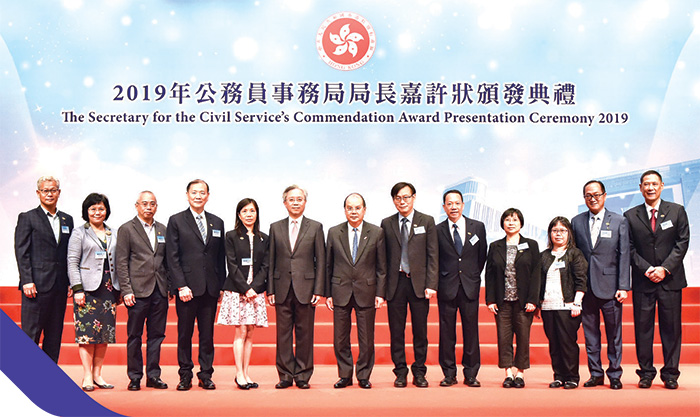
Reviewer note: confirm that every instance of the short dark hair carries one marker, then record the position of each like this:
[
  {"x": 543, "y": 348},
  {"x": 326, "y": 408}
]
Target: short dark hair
[
  {"x": 602, "y": 186},
  {"x": 570, "y": 243},
  {"x": 352, "y": 194},
  {"x": 459, "y": 193},
  {"x": 510, "y": 212},
  {"x": 401, "y": 185},
  {"x": 91, "y": 200},
  {"x": 650, "y": 172},
  {"x": 197, "y": 181},
  {"x": 240, "y": 227}
]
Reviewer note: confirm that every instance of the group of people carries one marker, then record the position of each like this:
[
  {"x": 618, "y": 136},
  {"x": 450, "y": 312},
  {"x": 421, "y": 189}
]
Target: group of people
[{"x": 403, "y": 263}]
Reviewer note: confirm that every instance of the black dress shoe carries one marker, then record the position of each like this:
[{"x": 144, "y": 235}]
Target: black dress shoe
[
  {"x": 508, "y": 382},
  {"x": 343, "y": 382},
  {"x": 156, "y": 383},
  {"x": 644, "y": 383},
  {"x": 88, "y": 388},
  {"x": 448, "y": 381},
  {"x": 303, "y": 385},
  {"x": 615, "y": 383},
  {"x": 134, "y": 385},
  {"x": 518, "y": 382},
  {"x": 184, "y": 385},
  {"x": 570, "y": 385},
  {"x": 364, "y": 383},
  {"x": 400, "y": 382},
  {"x": 103, "y": 386},
  {"x": 556, "y": 384},
  {"x": 283, "y": 384},
  {"x": 594, "y": 381},
  {"x": 253, "y": 385},
  {"x": 207, "y": 383},
  {"x": 472, "y": 382},
  {"x": 241, "y": 386},
  {"x": 671, "y": 384},
  {"x": 420, "y": 381}
]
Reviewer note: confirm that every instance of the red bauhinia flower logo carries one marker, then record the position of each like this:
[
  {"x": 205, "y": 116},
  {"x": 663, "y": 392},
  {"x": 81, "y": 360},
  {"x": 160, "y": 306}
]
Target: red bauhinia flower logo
[{"x": 346, "y": 41}]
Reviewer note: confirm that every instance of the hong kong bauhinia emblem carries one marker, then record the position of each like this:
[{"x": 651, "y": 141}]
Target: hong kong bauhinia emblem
[{"x": 346, "y": 41}]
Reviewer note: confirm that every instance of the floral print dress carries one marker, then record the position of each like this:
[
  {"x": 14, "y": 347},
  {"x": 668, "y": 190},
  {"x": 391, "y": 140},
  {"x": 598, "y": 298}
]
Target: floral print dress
[{"x": 95, "y": 321}]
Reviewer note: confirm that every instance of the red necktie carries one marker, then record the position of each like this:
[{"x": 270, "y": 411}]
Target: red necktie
[{"x": 653, "y": 220}]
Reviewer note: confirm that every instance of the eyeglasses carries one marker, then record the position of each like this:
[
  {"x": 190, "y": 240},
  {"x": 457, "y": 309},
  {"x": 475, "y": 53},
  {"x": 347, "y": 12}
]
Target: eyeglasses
[
  {"x": 595, "y": 196},
  {"x": 405, "y": 198},
  {"x": 560, "y": 231},
  {"x": 47, "y": 191},
  {"x": 295, "y": 199},
  {"x": 145, "y": 204}
]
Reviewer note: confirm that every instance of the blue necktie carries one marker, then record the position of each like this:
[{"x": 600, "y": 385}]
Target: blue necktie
[
  {"x": 458, "y": 239},
  {"x": 203, "y": 231},
  {"x": 404, "y": 246},
  {"x": 354, "y": 245}
]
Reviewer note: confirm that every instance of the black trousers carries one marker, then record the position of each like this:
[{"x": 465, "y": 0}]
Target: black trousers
[
  {"x": 469, "y": 314},
  {"x": 669, "y": 303},
  {"x": 612, "y": 317},
  {"x": 405, "y": 298},
  {"x": 203, "y": 309},
  {"x": 44, "y": 314},
  {"x": 562, "y": 331},
  {"x": 342, "y": 323},
  {"x": 295, "y": 321},
  {"x": 513, "y": 320},
  {"x": 153, "y": 312}
]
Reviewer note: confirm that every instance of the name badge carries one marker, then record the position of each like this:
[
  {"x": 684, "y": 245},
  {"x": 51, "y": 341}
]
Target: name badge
[
  {"x": 474, "y": 239},
  {"x": 606, "y": 234},
  {"x": 523, "y": 246},
  {"x": 160, "y": 239},
  {"x": 101, "y": 254},
  {"x": 247, "y": 261},
  {"x": 559, "y": 265},
  {"x": 65, "y": 230},
  {"x": 216, "y": 233},
  {"x": 666, "y": 225},
  {"x": 419, "y": 230}
]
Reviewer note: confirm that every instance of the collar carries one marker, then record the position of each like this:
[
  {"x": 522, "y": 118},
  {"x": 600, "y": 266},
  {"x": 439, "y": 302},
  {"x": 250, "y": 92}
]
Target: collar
[
  {"x": 359, "y": 227},
  {"x": 600, "y": 215},
  {"x": 461, "y": 224},
  {"x": 194, "y": 214}
]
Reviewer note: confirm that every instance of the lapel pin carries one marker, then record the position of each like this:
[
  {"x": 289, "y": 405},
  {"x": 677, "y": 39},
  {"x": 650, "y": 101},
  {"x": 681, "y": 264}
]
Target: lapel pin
[
  {"x": 662, "y": 215},
  {"x": 241, "y": 237}
]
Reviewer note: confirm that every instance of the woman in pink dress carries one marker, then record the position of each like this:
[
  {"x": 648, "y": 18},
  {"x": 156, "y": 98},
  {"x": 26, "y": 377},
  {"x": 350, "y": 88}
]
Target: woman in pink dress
[{"x": 243, "y": 303}]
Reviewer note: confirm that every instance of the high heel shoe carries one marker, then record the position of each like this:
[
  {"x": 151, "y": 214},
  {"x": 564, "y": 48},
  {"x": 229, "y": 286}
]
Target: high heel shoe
[{"x": 244, "y": 386}]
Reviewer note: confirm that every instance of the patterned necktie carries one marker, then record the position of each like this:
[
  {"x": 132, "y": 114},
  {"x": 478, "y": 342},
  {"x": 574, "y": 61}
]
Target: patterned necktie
[
  {"x": 458, "y": 239},
  {"x": 202, "y": 230},
  {"x": 354, "y": 245},
  {"x": 404, "y": 246},
  {"x": 595, "y": 230},
  {"x": 653, "y": 220},
  {"x": 295, "y": 233}
]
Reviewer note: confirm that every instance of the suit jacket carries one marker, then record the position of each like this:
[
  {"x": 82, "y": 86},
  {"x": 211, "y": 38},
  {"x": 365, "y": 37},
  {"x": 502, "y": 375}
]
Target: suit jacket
[
  {"x": 191, "y": 262},
  {"x": 609, "y": 260},
  {"x": 572, "y": 275},
  {"x": 422, "y": 253},
  {"x": 303, "y": 268},
  {"x": 366, "y": 278},
  {"x": 666, "y": 247},
  {"x": 139, "y": 267},
  {"x": 238, "y": 248},
  {"x": 527, "y": 272},
  {"x": 40, "y": 259},
  {"x": 462, "y": 267},
  {"x": 85, "y": 268}
]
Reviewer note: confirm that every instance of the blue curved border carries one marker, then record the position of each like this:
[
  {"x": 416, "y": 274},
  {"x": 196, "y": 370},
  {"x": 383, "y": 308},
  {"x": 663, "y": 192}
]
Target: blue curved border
[{"x": 39, "y": 378}]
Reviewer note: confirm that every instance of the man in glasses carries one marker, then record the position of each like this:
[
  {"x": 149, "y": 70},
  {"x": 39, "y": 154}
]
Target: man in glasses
[
  {"x": 41, "y": 248},
  {"x": 603, "y": 238},
  {"x": 412, "y": 279}
]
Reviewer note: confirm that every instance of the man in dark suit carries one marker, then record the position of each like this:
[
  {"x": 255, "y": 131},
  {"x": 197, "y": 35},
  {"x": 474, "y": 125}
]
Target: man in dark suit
[
  {"x": 412, "y": 279},
  {"x": 295, "y": 286},
  {"x": 660, "y": 236},
  {"x": 603, "y": 238},
  {"x": 143, "y": 281},
  {"x": 462, "y": 243},
  {"x": 355, "y": 279},
  {"x": 196, "y": 259},
  {"x": 41, "y": 248}
]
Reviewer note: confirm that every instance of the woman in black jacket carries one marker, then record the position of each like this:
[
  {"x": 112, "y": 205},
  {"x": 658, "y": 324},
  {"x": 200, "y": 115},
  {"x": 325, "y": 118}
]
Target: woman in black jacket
[{"x": 563, "y": 285}]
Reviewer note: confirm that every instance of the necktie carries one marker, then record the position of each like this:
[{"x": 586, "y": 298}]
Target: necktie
[
  {"x": 404, "y": 246},
  {"x": 202, "y": 230},
  {"x": 354, "y": 245},
  {"x": 295, "y": 233},
  {"x": 595, "y": 230},
  {"x": 458, "y": 239},
  {"x": 653, "y": 220}
]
